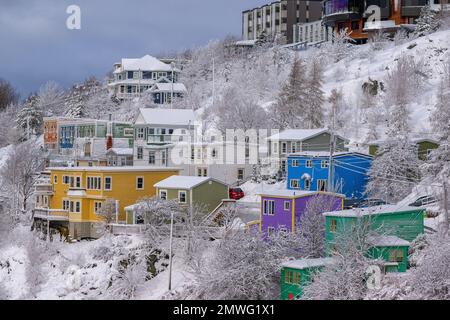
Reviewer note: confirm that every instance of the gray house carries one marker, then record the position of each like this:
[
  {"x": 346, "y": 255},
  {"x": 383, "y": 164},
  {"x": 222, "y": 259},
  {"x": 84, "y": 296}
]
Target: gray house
[{"x": 298, "y": 140}]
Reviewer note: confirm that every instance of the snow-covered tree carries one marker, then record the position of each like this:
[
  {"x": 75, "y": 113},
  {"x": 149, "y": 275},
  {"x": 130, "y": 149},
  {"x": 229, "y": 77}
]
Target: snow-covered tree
[
  {"x": 430, "y": 279},
  {"x": 79, "y": 94},
  {"x": 7, "y": 125},
  {"x": 428, "y": 22},
  {"x": 37, "y": 255},
  {"x": 338, "y": 109},
  {"x": 127, "y": 280},
  {"x": 394, "y": 170},
  {"x": 107, "y": 213},
  {"x": 30, "y": 117},
  {"x": 18, "y": 174},
  {"x": 8, "y": 94},
  {"x": 341, "y": 46},
  {"x": 100, "y": 104},
  {"x": 311, "y": 227},
  {"x": 313, "y": 114},
  {"x": 292, "y": 100},
  {"x": 345, "y": 278},
  {"x": 51, "y": 99}
]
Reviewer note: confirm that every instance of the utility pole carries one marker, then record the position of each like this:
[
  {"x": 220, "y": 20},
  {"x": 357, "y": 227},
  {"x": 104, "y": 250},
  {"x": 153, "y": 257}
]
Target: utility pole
[
  {"x": 213, "y": 80},
  {"x": 171, "y": 94},
  {"x": 446, "y": 221},
  {"x": 170, "y": 251},
  {"x": 332, "y": 147}
]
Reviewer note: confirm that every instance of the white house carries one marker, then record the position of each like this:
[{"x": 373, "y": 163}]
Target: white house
[{"x": 133, "y": 77}]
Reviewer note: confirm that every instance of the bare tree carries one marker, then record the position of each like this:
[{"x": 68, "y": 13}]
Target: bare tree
[
  {"x": 8, "y": 94},
  {"x": 19, "y": 174},
  {"x": 107, "y": 213}
]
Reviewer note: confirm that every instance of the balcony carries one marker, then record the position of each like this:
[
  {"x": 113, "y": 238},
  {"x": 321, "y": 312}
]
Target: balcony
[
  {"x": 51, "y": 214},
  {"x": 43, "y": 189},
  {"x": 340, "y": 10},
  {"x": 411, "y": 8}
]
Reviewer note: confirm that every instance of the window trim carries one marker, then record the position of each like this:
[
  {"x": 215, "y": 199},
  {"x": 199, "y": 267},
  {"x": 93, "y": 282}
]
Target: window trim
[
  {"x": 185, "y": 196},
  {"x": 333, "y": 225},
  {"x": 295, "y": 163},
  {"x": 96, "y": 207},
  {"x": 110, "y": 183},
  {"x": 294, "y": 180},
  {"x": 309, "y": 163},
  {"x": 159, "y": 193},
  {"x": 137, "y": 183},
  {"x": 324, "y": 164},
  {"x": 288, "y": 207},
  {"x": 324, "y": 181},
  {"x": 55, "y": 179}
]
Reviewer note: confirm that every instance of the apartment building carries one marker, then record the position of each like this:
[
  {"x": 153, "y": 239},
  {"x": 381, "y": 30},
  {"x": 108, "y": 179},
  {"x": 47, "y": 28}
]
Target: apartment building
[
  {"x": 312, "y": 32},
  {"x": 351, "y": 15},
  {"x": 134, "y": 77},
  {"x": 69, "y": 199},
  {"x": 278, "y": 18}
]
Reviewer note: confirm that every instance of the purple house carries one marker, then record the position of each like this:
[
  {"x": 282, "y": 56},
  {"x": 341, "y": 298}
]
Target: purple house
[{"x": 281, "y": 210}]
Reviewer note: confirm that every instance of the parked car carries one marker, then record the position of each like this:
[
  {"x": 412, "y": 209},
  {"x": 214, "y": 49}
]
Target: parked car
[
  {"x": 422, "y": 201},
  {"x": 236, "y": 193}
]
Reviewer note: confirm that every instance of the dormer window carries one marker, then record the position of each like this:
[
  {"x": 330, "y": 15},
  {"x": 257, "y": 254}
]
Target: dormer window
[{"x": 130, "y": 74}]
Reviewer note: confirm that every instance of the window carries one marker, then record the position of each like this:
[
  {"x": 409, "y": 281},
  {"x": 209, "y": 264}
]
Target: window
[
  {"x": 108, "y": 183},
  {"x": 146, "y": 74},
  {"x": 240, "y": 174},
  {"x": 202, "y": 172},
  {"x": 140, "y": 183},
  {"x": 151, "y": 157},
  {"x": 140, "y": 153},
  {"x": 94, "y": 183},
  {"x": 308, "y": 164},
  {"x": 66, "y": 204},
  {"x": 287, "y": 205},
  {"x": 77, "y": 182},
  {"x": 182, "y": 196},
  {"x": 294, "y": 183},
  {"x": 322, "y": 185},
  {"x": 275, "y": 147},
  {"x": 283, "y": 147},
  {"x": 130, "y": 74},
  {"x": 307, "y": 184},
  {"x": 324, "y": 164},
  {"x": 270, "y": 231},
  {"x": 55, "y": 179},
  {"x": 333, "y": 225},
  {"x": 77, "y": 207},
  {"x": 163, "y": 157},
  {"x": 295, "y": 163},
  {"x": 283, "y": 165},
  {"x": 65, "y": 180},
  {"x": 396, "y": 255},
  {"x": 269, "y": 207},
  {"x": 163, "y": 194},
  {"x": 72, "y": 182},
  {"x": 292, "y": 277},
  {"x": 97, "y": 207},
  {"x": 140, "y": 133}
]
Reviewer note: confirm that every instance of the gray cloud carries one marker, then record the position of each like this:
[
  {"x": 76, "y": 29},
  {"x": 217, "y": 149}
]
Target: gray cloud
[{"x": 36, "y": 46}]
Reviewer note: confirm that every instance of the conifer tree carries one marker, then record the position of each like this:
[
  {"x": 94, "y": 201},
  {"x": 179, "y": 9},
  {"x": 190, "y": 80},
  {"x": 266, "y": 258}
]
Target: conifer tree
[
  {"x": 30, "y": 117},
  {"x": 313, "y": 114},
  {"x": 428, "y": 22}
]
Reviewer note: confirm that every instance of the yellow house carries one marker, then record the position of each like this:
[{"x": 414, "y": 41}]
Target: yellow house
[{"x": 77, "y": 194}]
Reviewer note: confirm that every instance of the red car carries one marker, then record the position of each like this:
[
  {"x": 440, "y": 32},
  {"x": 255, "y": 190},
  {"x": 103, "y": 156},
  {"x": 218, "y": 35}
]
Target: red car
[{"x": 236, "y": 193}]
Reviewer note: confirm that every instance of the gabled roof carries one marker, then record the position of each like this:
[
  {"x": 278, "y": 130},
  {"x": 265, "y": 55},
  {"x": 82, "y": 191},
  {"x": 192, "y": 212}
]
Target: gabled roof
[
  {"x": 299, "y": 134},
  {"x": 326, "y": 154},
  {"x": 121, "y": 151},
  {"x": 296, "y": 193},
  {"x": 160, "y": 116},
  {"x": 183, "y": 182},
  {"x": 383, "y": 209},
  {"x": 308, "y": 263},
  {"x": 146, "y": 63}
]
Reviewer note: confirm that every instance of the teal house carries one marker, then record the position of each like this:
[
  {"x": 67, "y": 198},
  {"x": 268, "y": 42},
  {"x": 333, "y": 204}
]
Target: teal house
[
  {"x": 391, "y": 249},
  {"x": 297, "y": 274}
]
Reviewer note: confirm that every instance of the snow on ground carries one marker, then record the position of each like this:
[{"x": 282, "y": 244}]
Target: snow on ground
[
  {"x": 252, "y": 190},
  {"x": 4, "y": 154}
]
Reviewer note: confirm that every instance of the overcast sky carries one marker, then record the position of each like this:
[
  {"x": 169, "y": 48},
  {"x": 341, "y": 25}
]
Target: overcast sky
[{"x": 36, "y": 46}]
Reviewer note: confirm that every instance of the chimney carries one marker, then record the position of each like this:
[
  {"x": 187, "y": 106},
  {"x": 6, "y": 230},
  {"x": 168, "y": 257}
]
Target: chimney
[
  {"x": 109, "y": 142},
  {"x": 109, "y": 138}
]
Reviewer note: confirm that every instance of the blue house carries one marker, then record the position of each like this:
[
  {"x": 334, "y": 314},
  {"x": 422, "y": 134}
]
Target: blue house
[{"x": 309, "y": 171}]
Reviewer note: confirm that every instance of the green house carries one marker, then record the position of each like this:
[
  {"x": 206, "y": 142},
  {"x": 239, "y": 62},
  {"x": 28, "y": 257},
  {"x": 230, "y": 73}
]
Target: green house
[
  {"x": 189, "y": 190},
  {"x": 424, "y": 147},
  {"x": 297, "y": 274},
  {"x": 391, "y": 249}
]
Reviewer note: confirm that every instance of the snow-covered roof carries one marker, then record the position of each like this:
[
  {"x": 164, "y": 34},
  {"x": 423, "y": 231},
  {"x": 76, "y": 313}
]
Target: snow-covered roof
[
  {"x": 159, "y": 116},
  {"x": 383, "y": 209},
  {"x": 167, "y": 87},
  {"x": 295, "y": 193},
  {"x": 387, "y": 241},
  {"x": 121, "y": 151},
  {"x": 181, "y": 182},
  {"x": 299, "y": 134},
  {"x": 413, "y": 140},
  {"x": 115, "y": 169},
  {"x": 246, "y": 42},
  {"x": 319, "y": 154},
  {"x": 146, "y": 63},
  {"x": 308, "y": 263}
]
